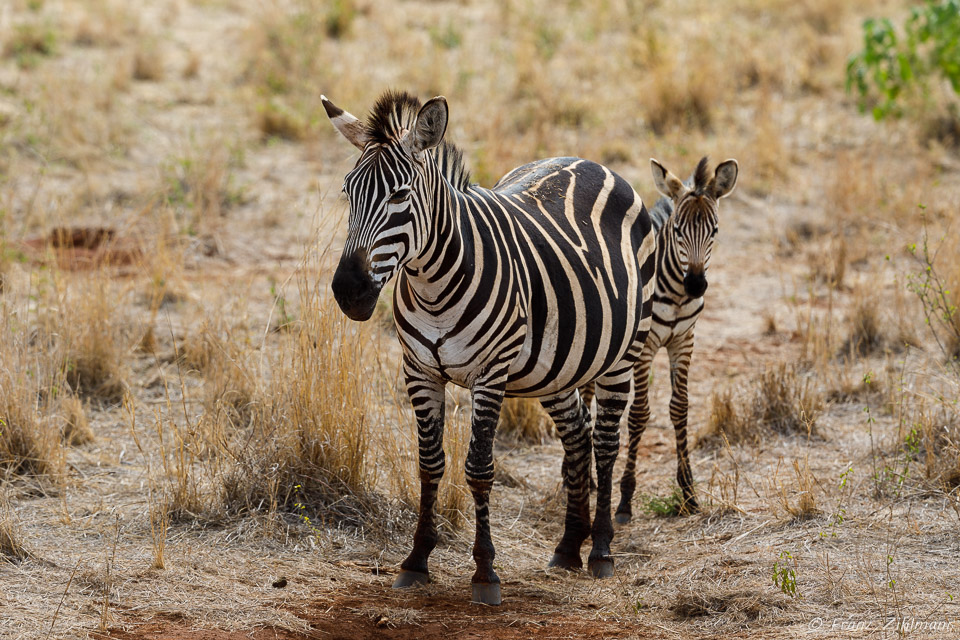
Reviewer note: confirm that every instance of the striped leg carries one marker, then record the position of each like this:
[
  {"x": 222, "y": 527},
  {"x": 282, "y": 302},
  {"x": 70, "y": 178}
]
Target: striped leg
[
  {"x": 637, "y": 424},
  {"x": 571, "y": 418},
  {"x": 679, "y": 352},
  {"x": 613, "y": 394},
  {"x": 427, "y": 397},
  {"x": 487, "y": 400}
]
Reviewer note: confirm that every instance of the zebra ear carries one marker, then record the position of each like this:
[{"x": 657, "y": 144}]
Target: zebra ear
[
  {"x": 668, "y": 184},
  {"x": 725, "y": 178},
  {"x": 430, "y": 126},
  {"x": 347, "y": 124}
]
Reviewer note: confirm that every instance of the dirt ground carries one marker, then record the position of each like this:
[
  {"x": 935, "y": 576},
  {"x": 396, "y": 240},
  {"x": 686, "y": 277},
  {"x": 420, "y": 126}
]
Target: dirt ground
[{"x": 166, "y": 171}]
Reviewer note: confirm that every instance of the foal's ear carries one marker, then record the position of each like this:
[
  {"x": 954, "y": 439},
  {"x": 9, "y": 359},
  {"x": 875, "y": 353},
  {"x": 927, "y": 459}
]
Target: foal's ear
[
  {"x": 725, "y": 179},
  {"x": 668, "y": 184},
  {"x": 349, "y": 125},
  {"x": 430, "y": 125}
]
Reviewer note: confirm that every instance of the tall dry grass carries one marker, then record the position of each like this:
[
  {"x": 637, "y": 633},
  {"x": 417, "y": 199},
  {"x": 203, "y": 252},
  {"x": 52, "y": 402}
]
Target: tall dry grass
[
  {"x": 29, "y": 385},
  {"x": 523, "y": 420},
  {"x": 781, "y": 400},
  {"x": 310, "y": 435}
]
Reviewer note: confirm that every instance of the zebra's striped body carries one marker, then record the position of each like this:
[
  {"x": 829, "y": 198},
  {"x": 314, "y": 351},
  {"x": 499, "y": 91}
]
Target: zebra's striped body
[
  {"x": 531, "y": 288},
  {"x": 686, "y": 223}
]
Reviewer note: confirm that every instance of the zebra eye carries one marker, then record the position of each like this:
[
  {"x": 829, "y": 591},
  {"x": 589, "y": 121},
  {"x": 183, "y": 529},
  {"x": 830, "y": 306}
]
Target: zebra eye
[
  {"x": 399, "y": 196},
  {"x": 676, "y": 229},
  {"x": 714, "y": 232}
]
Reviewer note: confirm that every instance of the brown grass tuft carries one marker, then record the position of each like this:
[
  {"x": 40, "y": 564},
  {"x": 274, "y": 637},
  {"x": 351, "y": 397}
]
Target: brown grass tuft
[
  {"x": 148, "y": 61},
  {"x": 28, "y": 444},
  {"x": 681, "y": 99},
  {"x": 96, "y": 345},
  {"x": 11, "y": 545},
  {"x": 804, "y": 504},
  {"x": 933, "y": 438},
  {"x": 781, "y": 400},
  {"x": 276, "y": 120},
  {"x": 306, "y": 450},
  {"x": 524, "y": 420},
  {"x": 76, "y": 429},
  {"x": 735, "y": 606},
  {"x": 866, "y": 336}
]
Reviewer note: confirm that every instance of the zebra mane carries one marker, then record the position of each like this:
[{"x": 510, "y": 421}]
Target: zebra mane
[
  {"x": 701, "y": 177},
  {"x": 394, "y": 114},
  {"x": 450, "y": 162}
]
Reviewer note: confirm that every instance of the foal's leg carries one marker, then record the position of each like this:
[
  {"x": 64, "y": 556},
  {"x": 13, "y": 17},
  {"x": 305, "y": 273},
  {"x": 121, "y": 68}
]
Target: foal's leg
[
  {"x": 427, "y": 397},
  {"x": 679, "y": 352},
  {"x": 637, "y": 424}
]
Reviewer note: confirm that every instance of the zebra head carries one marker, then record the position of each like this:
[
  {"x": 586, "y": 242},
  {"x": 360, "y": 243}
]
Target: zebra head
[
  {"x": 390, "y": 193},
  {"x": 694, "y": 218}
]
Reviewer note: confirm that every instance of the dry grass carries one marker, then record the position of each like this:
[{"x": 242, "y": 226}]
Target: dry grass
[
  {"x": 866, "y": 334},
  {"x": 524, "y": 420},
  {"x": 148, "y": 60},
  {"x": 307, "y": 449},
  {"x": 76, "y": 429},
  {"x": 782, "y": 400},
  {"x": 29, "y": 446},
  {"x": 95, "y": 342},
  {"x": 799, "y": 500},
  {"x": 931, "y": 436},
  {"x": 12, "y": 548},
  {"x": 277, "y": 120},
  {"x": 737, "y": 606},
  {"x": 307, "y": 433}
]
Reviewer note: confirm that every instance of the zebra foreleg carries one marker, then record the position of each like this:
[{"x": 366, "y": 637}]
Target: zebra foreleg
[
  {"x": 427, "y": 397},
  {"x": 613, "y": 393},
  {"x": 487, "y": 400},
  {"x": 679, "y": 367},
  {"x": 636, "y": 425},
  {"x": 572, "y": 420}
]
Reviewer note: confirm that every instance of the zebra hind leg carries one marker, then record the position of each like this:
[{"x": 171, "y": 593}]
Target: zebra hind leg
[
  {"x": 613, "y": 393},
  {"x": 573, "y": 426}
]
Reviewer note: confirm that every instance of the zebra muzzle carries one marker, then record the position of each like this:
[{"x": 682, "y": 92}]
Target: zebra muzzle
[
  {"x": 695, "y": 284},
  {"x": 354, "y": 290}
]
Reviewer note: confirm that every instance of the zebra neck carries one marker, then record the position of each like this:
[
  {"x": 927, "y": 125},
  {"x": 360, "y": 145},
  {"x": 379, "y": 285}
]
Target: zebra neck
[{"x": 447, "y": 259}]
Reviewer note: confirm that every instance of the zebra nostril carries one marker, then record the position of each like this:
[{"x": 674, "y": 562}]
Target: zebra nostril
[{"x": 695, "y": 284}]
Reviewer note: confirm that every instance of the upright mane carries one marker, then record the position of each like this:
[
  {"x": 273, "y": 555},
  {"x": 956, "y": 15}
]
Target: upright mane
[
  {"x": 701, "y": 177},
  {"x": 393, "y": 116}
]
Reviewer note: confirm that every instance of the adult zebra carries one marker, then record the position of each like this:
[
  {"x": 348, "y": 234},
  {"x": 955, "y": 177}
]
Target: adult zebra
[
  {"x": 686, "y": 223},
  {"x": 531, "y": 288}
]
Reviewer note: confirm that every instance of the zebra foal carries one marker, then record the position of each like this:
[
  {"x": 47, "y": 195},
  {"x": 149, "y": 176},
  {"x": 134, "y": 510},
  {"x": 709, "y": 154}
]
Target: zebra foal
[
  {"x": 686, "y": 223},
  {"x": 532, "y": 288}
]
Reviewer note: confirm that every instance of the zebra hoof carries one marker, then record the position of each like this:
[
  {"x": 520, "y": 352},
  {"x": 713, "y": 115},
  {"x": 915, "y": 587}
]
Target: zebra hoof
[
  {"x": 689, "y": 507},
  {"x": 622, "y": 517},
  {"x": 601, "y": 568},
  {"x": 410, "y": 579},
  {"x": 570, "y": 563},
  {"x": 486, "y": 593}
]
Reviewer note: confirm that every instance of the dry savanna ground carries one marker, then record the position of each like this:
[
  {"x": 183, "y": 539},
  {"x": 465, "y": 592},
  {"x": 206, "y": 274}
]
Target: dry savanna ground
[{"x": 194, "y": 443}]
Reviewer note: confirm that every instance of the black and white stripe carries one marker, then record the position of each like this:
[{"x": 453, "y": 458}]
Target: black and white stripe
[
  {"x": 532, "y": 288},
  {"x": 686, "y": 224}
]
